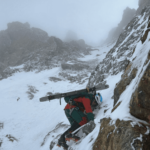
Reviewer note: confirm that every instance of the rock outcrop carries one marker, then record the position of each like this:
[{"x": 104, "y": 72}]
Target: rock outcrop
[
  {"x": 118, "y": 58},
  {"x": 126, "y": 18},
  {"x": 114, "y": 33},
  {"x": 140, "y": 101},
  {"x": 131, "y": 58},
  {"x": 20, "y": 44},
  {"x": 130, "y": 72},
  {"x": 146, "y": 32},
  {"x": 142, "y": 4},
  {"x": 127, "y": 77},
  {"x": 122, "y": 135}
]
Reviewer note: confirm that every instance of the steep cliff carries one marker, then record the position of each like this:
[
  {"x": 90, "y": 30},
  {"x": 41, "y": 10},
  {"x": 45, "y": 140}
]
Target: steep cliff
[
  {"x": 142, "y": 4},
  {"x": 125, "y": 124},
  {"x": 118, "y": 58},
  {"x": 114, "y": 33}
]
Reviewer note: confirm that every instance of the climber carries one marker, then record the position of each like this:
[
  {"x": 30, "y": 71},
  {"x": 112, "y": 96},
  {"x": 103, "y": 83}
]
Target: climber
[{"x": 79, "y": 111}]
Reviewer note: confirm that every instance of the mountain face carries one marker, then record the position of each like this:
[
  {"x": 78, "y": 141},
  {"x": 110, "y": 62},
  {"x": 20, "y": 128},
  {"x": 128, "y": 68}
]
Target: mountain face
[
  {"x": 113, "y": 35},
  {"x": 128, "y": 15},
  {"x": 142, "y": 4},
  {"x": 123, "y": 120},
  {"x": 118, "y": 58},
  {"x": 126, "y": 124},
  {"x": 33, "y": 48}
]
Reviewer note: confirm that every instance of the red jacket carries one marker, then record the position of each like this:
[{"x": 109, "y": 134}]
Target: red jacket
[{"x": 84, "y": 101}]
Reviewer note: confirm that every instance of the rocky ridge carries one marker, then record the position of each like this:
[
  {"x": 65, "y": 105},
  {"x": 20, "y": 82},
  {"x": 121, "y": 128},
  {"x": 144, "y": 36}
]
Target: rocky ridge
[
  {"x": 142, "y": 4},
  {"x": 34, "y": 49},
  {"x": 118, "y": 58},
  {"x": 128, "y": 15},
  {"x": 114, "y": 33},
  {"x": 130, "y": 56}
]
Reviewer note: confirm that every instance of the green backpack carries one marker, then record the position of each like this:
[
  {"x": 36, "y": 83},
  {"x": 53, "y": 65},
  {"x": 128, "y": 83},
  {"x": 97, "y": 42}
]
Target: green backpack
[{"x": 70, "y": 99}]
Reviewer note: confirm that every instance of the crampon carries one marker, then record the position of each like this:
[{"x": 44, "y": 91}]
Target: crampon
[{"x": 72, "y": 137}]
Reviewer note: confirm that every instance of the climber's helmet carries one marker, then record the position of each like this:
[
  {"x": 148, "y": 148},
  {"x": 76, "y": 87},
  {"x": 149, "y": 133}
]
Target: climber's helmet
[{"x": 98, "y": 98}]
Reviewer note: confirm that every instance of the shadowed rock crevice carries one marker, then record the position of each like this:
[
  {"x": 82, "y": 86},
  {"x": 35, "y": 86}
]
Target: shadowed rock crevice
[{"x": 116, "y": 107}]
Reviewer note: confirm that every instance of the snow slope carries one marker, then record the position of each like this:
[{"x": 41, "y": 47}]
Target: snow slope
[
  {"x": 28, "y": 122},
  {"x": 33, "y": 125}
]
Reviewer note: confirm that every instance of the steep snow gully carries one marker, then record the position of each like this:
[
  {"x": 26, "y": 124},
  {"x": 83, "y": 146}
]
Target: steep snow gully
[{"x": 122, "y": 123}]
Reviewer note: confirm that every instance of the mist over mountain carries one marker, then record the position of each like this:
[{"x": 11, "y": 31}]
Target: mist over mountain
[
  {"x": 71, "y": 36},
  {"x": 128, "y": 15},
  {"x": 20, "y": 44},
  {"x": 142, "y": 4},
  {"x": 126, "y": 18}
]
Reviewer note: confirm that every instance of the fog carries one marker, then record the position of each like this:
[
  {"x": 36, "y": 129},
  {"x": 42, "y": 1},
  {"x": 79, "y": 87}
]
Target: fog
[{"x": 91, "y": 20}]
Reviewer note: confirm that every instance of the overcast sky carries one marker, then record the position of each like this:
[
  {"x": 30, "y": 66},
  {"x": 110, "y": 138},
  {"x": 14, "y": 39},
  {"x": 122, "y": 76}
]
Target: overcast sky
[{"x": 90, "y": 19}]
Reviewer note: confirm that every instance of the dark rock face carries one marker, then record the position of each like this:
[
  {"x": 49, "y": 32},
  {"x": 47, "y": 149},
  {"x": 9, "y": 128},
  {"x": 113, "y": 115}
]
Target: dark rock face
[
  {"x": 126, "y": 79},
  {"x": 18, "y": 41},
  {"x": 140, "y": 101},
  {"x": 122, "y": 136},
  {"x": 146, "y": 32},
  {"x": 125, "y": 135}
]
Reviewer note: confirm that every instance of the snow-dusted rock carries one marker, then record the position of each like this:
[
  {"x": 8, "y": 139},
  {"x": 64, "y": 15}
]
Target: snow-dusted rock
[
  {"x": 118, "y": 58},
  {"x": 121, "y": 135},
  {"x": 140, "y": 101},
  {"x": 126, "y": 126}
]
